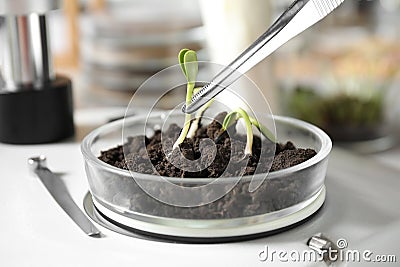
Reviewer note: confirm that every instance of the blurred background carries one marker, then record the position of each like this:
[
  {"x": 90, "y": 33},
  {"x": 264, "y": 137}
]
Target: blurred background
[{"x": 342, "y": 74}]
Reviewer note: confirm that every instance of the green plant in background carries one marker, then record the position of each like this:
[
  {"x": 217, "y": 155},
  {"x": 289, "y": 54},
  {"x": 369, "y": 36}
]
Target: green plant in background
[
  {"x": 305, "y": 104},
  {"x": 354, "y": 111},
  {"x": 340, "y": 110},
  {"x": 189, "y": 66}
]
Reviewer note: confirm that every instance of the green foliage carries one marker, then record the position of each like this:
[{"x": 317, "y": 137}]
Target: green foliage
[{"x": 342, "y": 110}]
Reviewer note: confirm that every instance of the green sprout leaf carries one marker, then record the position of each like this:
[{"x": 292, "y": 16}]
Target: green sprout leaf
[
  {"x": 181, "y": 60},
  {"x": 264, "y": 130},
  {"x": 230, "y": 118},
  {"x": 191, "y": 66},
  {"x": 188, "y": 62}
]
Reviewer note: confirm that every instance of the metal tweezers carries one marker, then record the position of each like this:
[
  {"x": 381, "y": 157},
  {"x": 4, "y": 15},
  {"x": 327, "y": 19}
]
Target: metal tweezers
[{"x": 301, "y": 15}]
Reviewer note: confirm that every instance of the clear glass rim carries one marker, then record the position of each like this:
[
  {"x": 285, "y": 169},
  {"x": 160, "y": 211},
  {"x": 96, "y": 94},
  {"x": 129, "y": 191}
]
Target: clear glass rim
[{"x": 322, "y": 153}]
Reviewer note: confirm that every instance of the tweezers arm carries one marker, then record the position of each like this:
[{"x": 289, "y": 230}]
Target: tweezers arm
[
  {"x": 301, "y": 15},
  {"x": 272, "y": 39}
]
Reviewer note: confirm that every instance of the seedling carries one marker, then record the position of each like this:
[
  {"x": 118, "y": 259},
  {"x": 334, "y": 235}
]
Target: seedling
[
  {"x": 236, "y": 115},
  {"x": 189, "y": 66},
  {"x": 240, "y": 113}
]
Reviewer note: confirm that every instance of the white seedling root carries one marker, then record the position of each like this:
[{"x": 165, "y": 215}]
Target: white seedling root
[{"x": 196, "y": 122}]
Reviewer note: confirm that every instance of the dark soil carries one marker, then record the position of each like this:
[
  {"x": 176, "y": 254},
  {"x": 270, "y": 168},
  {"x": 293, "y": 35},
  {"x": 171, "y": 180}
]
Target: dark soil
[{"x": 147, "y": 155}]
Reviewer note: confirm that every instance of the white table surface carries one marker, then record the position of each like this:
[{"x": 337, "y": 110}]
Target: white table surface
[{"x": 362, "y": 205}]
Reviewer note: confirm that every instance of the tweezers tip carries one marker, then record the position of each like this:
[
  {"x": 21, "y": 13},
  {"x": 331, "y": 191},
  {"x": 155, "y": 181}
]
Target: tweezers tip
[
  {"x": 184, "y": 109},
  {"x": 95, "y": 234},
  {"x": 188, "y": 109}
]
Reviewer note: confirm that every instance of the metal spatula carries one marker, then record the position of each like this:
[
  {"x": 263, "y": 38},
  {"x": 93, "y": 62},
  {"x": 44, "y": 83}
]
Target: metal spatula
[
  {"x": 59, "y": 192},
  {"x": 301, "y": 15}
]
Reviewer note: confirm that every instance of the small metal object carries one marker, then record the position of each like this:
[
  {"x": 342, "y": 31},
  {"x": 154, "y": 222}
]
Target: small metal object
[
  {"x": 321, "y": 245},
  {"x": 58, "y": 190},
  {"x": 301, "y": 15}
]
